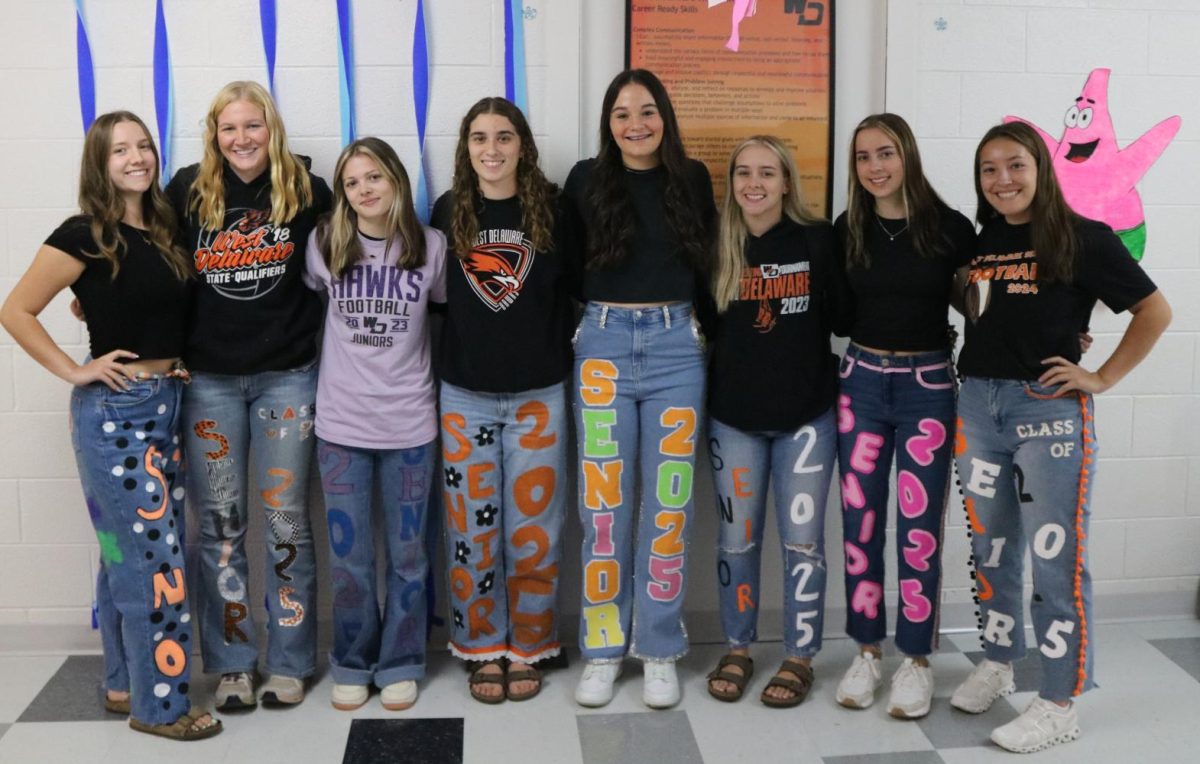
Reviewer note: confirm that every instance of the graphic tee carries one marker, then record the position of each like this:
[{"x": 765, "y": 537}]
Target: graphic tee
[
  {"x": 772, "y": 367},
  {"x": 375, "y": 386},
  {"x": 144, "y": 310},
  {"x": 252, "y": 312},
  {"x": 509, "y": 316},
  {"x": 1013, "y": 321}
]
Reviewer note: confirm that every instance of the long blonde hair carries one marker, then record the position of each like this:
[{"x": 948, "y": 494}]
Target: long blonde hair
[
  {"x": 731, "y": 239},
  {"x": 100, "y": 200},
  {"x": 291, "y": 190},
  {"x": 337, "y": 234}
]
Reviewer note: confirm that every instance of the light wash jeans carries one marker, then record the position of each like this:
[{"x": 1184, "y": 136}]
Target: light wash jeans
[
  {"x": 901, "y": 406},
  {"x": 230, "y": 422},
  {"x": 639, "y": 390},
  {"x": 1027, "y": 462},
  {"x": 800, "y": 466},
  {"x": 366, "y": 647},
  {"x": 127, "y": 450},
  {"x": 504, "y": 456}
]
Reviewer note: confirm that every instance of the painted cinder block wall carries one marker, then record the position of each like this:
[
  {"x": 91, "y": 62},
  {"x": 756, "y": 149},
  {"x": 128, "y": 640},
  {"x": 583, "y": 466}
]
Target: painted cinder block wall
[{"x": 951, "y": 80}]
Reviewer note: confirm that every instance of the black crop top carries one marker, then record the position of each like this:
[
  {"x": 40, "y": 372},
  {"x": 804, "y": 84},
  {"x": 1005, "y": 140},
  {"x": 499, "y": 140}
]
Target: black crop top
[
  {"x": 901, "y": 300},
  {"x": 653, "y": 270},
  {"x": 143, "y": 311}
]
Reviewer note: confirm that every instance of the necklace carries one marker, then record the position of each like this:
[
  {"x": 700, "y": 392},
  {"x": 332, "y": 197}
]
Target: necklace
[{"x": 891, "y": 236}]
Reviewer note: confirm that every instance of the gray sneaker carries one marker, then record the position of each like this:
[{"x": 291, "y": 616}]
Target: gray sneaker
[
  {"x": 235, "y": 691},
  {"x": 281, "y": 691}
]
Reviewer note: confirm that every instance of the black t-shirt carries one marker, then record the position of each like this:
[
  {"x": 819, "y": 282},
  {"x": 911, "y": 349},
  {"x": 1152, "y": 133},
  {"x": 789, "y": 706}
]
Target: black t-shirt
[
  {"x": 654, "y": 270},
  {"x": 252, "y": 312},
  {"x": 509, "y": 315},
  {"x": 772, "y": 367},
  {"x": 144, "y": 310},
  {"x": 901, "y": 299},
  {"x": 1013, "y": 321}
]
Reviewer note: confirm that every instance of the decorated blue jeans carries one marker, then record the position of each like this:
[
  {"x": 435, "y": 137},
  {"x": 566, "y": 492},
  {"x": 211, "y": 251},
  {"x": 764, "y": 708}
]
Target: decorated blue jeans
[
  {"x": 503, "y": 456},
  {"x": 799, "y": 464},
  {"x": 901, "y": 407},
  {"x": 1027, "y": 461},
  {"x": 231, "y": 422},
  {"x": 127, "y": 450},
  {"x": 639, "y": 386},
  {"x": 368, "y": 647}
]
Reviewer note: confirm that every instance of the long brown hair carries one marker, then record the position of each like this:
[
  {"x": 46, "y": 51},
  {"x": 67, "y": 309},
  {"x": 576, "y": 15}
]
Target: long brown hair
[
  {"x": 922, "y": 205},
  {"x": 100, "y": 200},
  {"x": 1052, "y": 221},
  {"x": 337, "y": 234},
  {"x": 535, "y": 193},
  {"x": 731, "y": 240},
  {"x": 614, "y": 218},
  {"x": 291, "y": 190}
]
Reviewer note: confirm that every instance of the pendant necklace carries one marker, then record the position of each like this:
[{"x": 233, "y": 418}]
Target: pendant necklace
[{"x": 891, "y": 236}]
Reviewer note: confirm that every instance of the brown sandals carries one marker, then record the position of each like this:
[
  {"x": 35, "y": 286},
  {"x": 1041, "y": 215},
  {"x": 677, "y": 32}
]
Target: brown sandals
[
  {"x": 116, "y": 705},
  {"x": 799, "y": 687},
  {"x": 186, "y": 727},
  {"x": 479, "y": 677},
  {"x": 720, "y": 673},
  {"x": 527, "y": 674}
]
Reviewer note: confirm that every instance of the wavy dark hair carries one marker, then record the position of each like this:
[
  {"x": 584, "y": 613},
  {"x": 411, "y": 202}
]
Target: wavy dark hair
[
  {"x": 100, "y": 200},
  {"x": 922, "y": 205},
  {"x": 614, "y": 220},
  {"x": 536, "y": 194},
  {"x": 1052, "y": 221}
]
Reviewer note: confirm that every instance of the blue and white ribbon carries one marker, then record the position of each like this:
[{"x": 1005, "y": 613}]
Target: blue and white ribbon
[
  {"x": 345, "y": 71},
  {"x": 83, "y": 65},
  {"x": 266, "y": 15},
  {"x": 514, "y": 55},
  {"x": 164, "y": 93},
  {"x": 421, "y": 106}
]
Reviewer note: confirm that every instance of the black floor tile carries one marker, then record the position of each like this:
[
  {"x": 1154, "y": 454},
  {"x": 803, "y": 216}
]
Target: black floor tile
[
  {"x": 73, "y": 694},
  {"x": 412, "y": 741}
]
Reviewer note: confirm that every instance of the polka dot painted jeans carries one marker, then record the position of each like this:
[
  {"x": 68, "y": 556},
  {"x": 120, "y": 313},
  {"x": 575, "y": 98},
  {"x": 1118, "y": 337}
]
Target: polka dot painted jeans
[{"x": 127, "y": 449}]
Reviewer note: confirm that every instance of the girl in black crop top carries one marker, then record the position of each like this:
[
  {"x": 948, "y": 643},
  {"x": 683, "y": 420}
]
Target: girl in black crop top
[
  {"x": 120, "y": 259},
  {"x": 639, "y": 381},
  {"x": 901, "y": 247}
]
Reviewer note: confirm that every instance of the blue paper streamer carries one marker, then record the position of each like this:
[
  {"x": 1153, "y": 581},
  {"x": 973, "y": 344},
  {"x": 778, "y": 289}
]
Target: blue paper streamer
[
  {"x": 514, "y": 55},
  {"x": 421, "y": 106},
  {"x": 164, "y": 93},
  {"x": 345, "y": 71},
  {"x": 86, "y": 73},
  {"x": 266, "y": 15}
]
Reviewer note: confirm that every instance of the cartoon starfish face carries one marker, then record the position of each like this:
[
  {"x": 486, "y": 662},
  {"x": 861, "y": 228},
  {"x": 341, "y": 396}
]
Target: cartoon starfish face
[{"x": 1097, "y": 177}]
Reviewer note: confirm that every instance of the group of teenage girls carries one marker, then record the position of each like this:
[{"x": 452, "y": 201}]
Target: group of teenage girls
[{"x": 695, "y": 324}]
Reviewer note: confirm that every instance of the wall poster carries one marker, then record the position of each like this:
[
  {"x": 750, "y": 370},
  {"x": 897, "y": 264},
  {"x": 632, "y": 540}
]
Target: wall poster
[{"x": 736, "y": 68}]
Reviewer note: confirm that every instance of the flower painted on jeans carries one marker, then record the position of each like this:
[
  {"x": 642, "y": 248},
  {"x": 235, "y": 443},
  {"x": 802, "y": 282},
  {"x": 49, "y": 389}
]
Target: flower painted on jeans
[
  {"x": 487, "y": 515},
  {"x": 458, "y": 618},
  {"x": 485, "y": 437},
  {"x": 461, "y": 551},
  {"x": 486, "y": 584},
  {"x": 453, "y": 477}
]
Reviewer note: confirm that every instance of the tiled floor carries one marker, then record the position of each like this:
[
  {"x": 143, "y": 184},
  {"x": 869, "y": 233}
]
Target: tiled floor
[{"x": 1146, "y": 711}]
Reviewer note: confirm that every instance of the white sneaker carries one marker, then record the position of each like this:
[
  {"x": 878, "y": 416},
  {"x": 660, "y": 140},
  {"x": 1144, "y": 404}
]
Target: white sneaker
[
  {"x": 857, "y": 688},
  {"x": 595, "y": 687},
  {"x": 281, "y": 691},
  {"x": 235, "y": 691},
  {"x": 1041, "y": 725},
  {"x": 347, "y": 697},
  {"x": 989, "y": 680},
  {"x": 912, "y": 691},
  {"x": 660, "y": 685},
  {"x": 398, "y": 696}
]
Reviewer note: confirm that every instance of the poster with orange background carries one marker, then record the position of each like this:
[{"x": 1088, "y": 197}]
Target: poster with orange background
[{"x": 736, "y": 68}]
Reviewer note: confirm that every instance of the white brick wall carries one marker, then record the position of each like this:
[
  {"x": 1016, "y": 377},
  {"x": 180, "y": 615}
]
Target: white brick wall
[
  {"x": 982, "y": 59},
  {"x": 992, "y": 58}
]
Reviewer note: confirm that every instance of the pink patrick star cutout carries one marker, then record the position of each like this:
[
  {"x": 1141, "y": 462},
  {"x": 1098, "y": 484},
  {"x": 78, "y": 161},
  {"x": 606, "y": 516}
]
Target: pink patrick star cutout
[{"x": 1098, "y": 179}]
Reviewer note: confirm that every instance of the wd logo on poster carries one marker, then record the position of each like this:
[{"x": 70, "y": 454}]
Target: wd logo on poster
[{"x": 247, "y": 259}]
